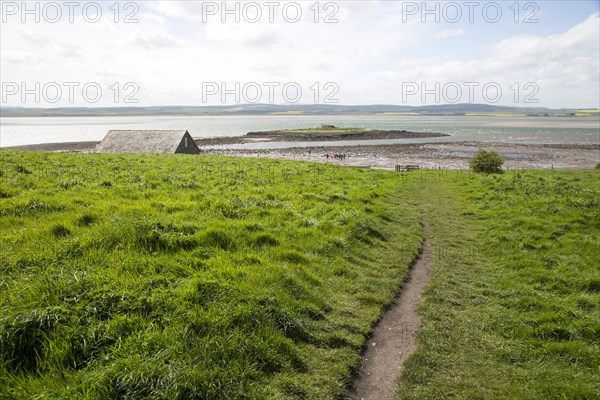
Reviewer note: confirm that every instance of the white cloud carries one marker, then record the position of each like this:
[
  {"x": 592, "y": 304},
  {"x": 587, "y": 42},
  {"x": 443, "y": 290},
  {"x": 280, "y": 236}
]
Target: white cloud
[
  {"x": 21, "y": 57},
  {"x": 369, "y": 53},
  {"x": 449, "y": 33},
  {"x": 152, "y": 40},
  {"x": 69, "y": 52},
  {"x": 33, "y": 37},
  {"x": 533, "y": 49},
  {"x": 191, "y": 10},
  {"x": 564, "y": 66}
]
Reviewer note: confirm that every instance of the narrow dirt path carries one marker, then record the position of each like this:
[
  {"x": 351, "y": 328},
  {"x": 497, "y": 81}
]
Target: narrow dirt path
[{"x": 393, "y": 338}]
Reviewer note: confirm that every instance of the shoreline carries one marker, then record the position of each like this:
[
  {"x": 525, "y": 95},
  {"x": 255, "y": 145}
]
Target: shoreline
[
  {"x": 436, "y": 155},
  {"x": 65, "y": 147},
  {"x": 333, "y": 134},
  {"x": 451, "y": 155}
]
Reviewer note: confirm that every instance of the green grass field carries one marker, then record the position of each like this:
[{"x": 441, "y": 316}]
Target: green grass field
[
  {"x": 186, "y": 277},
  {"x": 513, "y": 309},
  {"x": 193, "y": 277}
]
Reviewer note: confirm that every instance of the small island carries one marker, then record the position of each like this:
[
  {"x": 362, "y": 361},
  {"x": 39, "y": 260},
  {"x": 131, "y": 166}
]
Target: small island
[{"x": 331, "y": 132}]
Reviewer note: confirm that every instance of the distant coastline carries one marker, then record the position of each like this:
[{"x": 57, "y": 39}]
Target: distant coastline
[
  {"x": 476, "y": 110},
  {"x": 32, "y": 130}
]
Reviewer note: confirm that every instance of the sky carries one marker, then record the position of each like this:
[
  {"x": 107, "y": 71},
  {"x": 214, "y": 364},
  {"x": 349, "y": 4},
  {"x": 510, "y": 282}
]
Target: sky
[{"x": 194, "y": 53}]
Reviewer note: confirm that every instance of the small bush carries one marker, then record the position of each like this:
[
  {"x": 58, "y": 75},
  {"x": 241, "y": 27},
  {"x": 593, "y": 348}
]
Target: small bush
[
  {"x": 598, "y": 166},
  {"x": 489, "y": 162}
]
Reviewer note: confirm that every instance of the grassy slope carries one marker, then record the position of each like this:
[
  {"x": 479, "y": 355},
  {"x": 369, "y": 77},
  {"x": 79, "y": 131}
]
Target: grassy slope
[
  {"x": 200, "y": 277},
  {"x": 513, "y": 311},
  {"x": 187, "y": 277}
]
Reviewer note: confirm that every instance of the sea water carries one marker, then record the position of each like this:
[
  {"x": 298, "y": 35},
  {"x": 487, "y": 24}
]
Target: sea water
[{"x": 15, "y": 131}]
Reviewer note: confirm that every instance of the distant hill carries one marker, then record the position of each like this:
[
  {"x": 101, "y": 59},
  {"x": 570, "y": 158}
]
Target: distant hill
[{"x": 308, "y": 109}]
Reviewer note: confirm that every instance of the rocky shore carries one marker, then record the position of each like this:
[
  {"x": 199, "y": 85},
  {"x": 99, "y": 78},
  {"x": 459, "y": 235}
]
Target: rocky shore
[
  {"x": 453, "y": 155},
  {"x": 334, "y": 134},
  {"x": 435, "y": 155}
]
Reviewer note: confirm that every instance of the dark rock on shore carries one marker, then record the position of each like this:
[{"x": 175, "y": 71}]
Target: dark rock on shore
[{"x": 294, "y": 136}]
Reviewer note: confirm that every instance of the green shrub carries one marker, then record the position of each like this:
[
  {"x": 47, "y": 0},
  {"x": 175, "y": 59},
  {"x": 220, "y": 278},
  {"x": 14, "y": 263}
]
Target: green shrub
[
  {"x": 488, "y": 162},
  {"x": 598, "y": 166}
]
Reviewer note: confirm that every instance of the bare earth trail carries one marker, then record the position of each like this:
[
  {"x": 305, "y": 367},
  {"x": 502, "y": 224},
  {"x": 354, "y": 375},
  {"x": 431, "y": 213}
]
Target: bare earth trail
[{"x": 394, "y": 338}]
